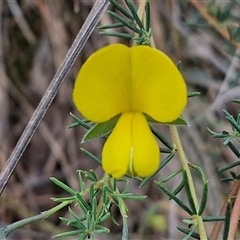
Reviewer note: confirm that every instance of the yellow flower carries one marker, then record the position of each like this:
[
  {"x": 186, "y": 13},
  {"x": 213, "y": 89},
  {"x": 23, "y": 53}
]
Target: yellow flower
[{"x": 130, "y": 81}]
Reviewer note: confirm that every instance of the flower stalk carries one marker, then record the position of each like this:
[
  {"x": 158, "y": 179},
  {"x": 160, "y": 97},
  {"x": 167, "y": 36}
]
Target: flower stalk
[{"x": 185, "y": 164}]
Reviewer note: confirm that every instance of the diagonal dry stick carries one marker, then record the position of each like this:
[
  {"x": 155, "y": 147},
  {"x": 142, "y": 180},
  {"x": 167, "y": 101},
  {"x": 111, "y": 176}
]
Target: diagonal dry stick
[{"x": 86, "y": 30}]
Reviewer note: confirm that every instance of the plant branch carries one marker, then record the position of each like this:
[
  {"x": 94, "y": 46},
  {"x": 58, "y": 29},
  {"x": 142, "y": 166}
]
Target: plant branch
[
  {"x": 218, "y": 225},
  {"x": 234, "y": 217},
  {"x": 5, "y": 231},
  {"x": 185, "y": 165}
]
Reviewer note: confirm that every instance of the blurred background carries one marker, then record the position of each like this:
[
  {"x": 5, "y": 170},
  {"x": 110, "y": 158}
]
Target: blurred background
[{"x": 35, "y": 36}]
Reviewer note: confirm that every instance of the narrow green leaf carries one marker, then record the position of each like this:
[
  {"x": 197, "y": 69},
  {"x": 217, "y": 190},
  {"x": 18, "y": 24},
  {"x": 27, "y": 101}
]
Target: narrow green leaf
[
  {"x": 237, "y": 177},
  {"x": 92, "y": 156},
  {"x": 233, "y": 174},
  {"x": 187, "y": 231},
  {"x": 93, "y": 174},
  {"x": 175, "y": 198},
  {"x": 65, "y": 220},
  {"x": 77, "y": 220},
  {"x": 204, "y": 199},
  {"x": 90, "y": 175},
  {"x": 101, "y": 129},
  {"x": 163, "y": 163},
  {"x": 189, "y": 194},
  {"x": 63, "y": 185},
  {"x": 82, "y": 203},
  {"x": 134, "y": 14},
  {"x": 101, "y": 229},
  {"x": 73, "y": 125},
  {"x": 233, "y": 148},
  {"x": 179, "y": 187},
  {"x": 84, "y": 236},
  {"x": 190, "y": 234},
  {"x": 89, "y": 220},
  {"x": 217, "y": 135},
  {"x": 113, "y": 219},
  {"x": 229, "y": 166},
  {"x": 105, "y": 197},
  {"x": 69, "y": 234},
  {"x": 170, "y": 176},
  {"x": 74, "y": 223},
  {"x": 125, "y": 22},
  {"x": 129, "y": 196},
  {"x": 227, "y": 220},
  {"x": 236, "y": 100},
  {"x": 108, "y": 189},
  {"x": 117, "y": 34},
  {"x": 178, "y": 121},
  {"x": 148, "y": 14},
  {"x": 94, "y": 208},
  {"x": 165, "y": 150},
  {"x": 109, "y": 26},
  {"x": 238, "y": 119},
  {"x": 81, "y": 182},
  {"x": 63, "y": 199},
  {"x": 227, "y": 179},
  {"x": 232, "y": 120},
  {"x": 79, "y": 122},
  {"x": 161, "y": 138},
  {"x": 104, "y": 218},
  {"x": 91, "y": 195},
  {"x": 121, "y": 9},
  {"x": 114, "y": 185},
  {"x": 166, "y": 160},
  {"x": 199, "y": 170},
  {"x": 193, "y": 94},
  {"x": 213, "y": 218}
]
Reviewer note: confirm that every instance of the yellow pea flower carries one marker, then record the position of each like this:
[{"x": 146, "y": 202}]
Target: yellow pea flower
[{"x": 132, "y": 81}]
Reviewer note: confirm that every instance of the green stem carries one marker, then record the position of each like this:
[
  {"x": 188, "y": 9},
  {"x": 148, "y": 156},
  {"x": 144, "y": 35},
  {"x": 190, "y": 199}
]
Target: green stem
[
  {"x": 5, "y": 231},
  {"x": 123, "y": 210},
  {"x": 185, "y": 165},
  {"x": 176, "y": 140}
]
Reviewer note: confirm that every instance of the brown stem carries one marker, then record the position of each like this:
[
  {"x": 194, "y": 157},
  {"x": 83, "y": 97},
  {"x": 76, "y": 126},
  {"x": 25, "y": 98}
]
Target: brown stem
[
  {"x": 218, "y": 225},
  {"x": 234, "y": 217}
]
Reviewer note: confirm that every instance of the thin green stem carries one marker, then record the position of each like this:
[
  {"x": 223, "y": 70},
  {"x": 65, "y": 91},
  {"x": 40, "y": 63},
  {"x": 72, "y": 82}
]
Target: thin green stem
[
  {"x": 122, "y": 208},
  {"x": 5, "y": 231},
  {"x": 185, "y": 164},
  {"x": 123, "y": 211}
]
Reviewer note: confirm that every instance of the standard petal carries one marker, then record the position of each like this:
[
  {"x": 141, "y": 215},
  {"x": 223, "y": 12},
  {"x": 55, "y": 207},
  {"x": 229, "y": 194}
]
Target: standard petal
[
  {"x": 131, "y": 148},
  {"x": 158, "y": 88},
  {"x": 102, "y": 87}
]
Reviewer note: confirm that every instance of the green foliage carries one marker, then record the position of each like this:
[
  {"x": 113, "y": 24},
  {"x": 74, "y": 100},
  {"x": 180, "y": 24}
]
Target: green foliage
[
  {"x": 130, "y": 19},
  {"x": 229, "y": 137},
  {"x": 95, "y": 203}
]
